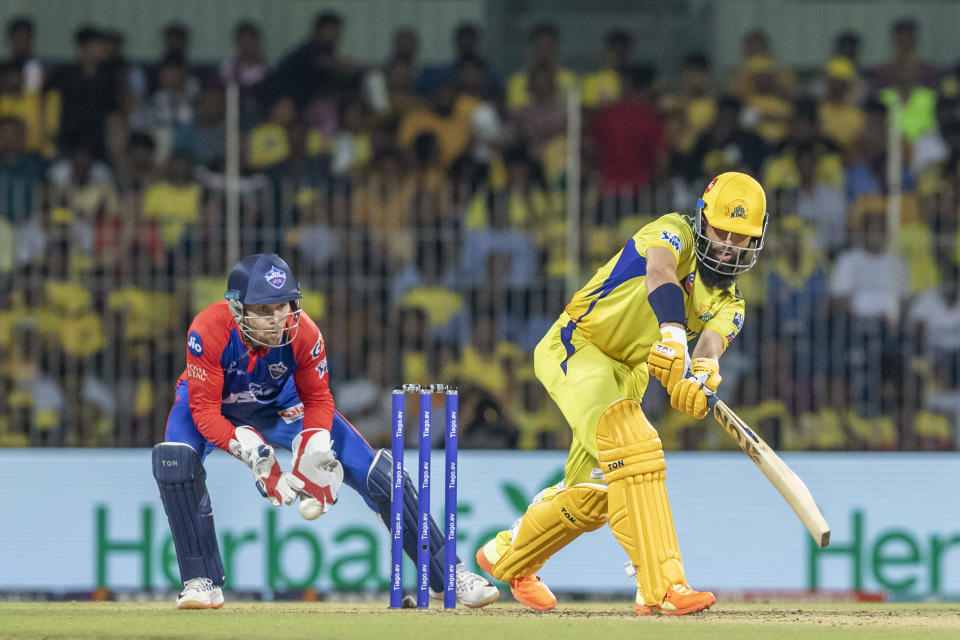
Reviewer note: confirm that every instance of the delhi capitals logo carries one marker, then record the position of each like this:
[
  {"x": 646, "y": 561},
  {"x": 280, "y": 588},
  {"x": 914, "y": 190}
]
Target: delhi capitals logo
[
  {"x": 276, "y": 277},
  {"x": 277, "y": 370}
]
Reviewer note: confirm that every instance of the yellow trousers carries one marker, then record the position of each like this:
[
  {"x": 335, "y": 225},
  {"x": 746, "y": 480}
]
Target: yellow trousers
[{"x": 583, "y": 385}]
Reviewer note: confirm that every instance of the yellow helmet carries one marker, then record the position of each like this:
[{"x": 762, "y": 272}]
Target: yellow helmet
[{"x": 732, "y": 202}]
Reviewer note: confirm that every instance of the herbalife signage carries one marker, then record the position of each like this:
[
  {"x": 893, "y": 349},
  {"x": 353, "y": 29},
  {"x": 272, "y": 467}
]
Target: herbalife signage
[{"x": 93, "y": 518}]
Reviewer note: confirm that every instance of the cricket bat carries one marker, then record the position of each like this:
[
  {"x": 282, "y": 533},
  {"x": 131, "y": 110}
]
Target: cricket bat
[{"x": 789, "y": 485}]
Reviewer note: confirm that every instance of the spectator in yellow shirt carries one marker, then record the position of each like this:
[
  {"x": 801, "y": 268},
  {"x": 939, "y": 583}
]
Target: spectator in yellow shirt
[
  {"x": 174, "y": 203},
  {"x": 26, "y": 104},
  {"x": 841, "y": 120},
  {"x": 767, "y": 107},
  {"x": 782, "y": 171},
  {"x": 691, "y": 109},
  {"x": 604, "y": 86},
  {"x": 449, "y": 125},
  {"x": 544, "y": 39},
  {"x": 267, "y": 144},
  {"x": 757, "y": 50}
]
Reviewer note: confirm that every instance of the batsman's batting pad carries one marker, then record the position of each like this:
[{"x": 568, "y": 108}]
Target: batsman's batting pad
[
  {"x": 631, "y": 457},
  {"x": 180, "y": 477},
  {"x": 379, "y": 485},
  {"x": 549, "y": 526}
]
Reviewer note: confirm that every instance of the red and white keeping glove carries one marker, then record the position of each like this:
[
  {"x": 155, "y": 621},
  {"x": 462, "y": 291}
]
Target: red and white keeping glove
[
  {"x": 279, "y": 487},
  {"x": 316, "y": 466}
]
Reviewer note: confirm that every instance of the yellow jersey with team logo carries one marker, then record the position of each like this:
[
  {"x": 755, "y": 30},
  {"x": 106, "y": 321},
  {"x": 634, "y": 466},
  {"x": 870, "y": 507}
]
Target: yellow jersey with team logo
[{"x": 612, "y": 311}]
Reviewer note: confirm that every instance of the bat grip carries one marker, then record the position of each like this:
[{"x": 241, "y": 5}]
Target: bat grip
[{"x": 712, "y": 399}]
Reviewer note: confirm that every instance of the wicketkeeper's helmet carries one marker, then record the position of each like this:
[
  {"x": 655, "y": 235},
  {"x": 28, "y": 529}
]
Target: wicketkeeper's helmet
[{"x": 263, "y": 278}]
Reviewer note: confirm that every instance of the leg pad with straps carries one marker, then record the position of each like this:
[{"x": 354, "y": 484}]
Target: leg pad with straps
[
  {"x": 631, "y": 457},
  {"x": 549, "y": 525},
  {"x": 180, "y": 477}
]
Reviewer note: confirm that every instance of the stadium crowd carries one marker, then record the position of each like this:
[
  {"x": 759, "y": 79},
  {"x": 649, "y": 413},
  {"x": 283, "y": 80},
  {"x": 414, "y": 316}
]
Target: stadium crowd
[{"x": 423, "y": 207}]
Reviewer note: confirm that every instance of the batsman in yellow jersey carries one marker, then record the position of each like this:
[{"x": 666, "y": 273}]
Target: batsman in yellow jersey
[{"x": 673, "y": 281}]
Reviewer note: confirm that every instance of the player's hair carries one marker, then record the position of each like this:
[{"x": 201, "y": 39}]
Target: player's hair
[
  {"x": 904, "y": 24},
  {"x": 140, "y": 140},
  {"x": 467, "y": 28},
  {"x": 847, "y": 37},
  {"x": 544, "y": 29},
  {"x": 642, "y": 75},
  {"x": 728, "y": 101},
  {"x": 19, "y": 23},
  {"x": 85, "y": 35},
  {"x": 176, "y": 29},
  {"x": 618, "y": 38},
  {"x": 327, "y": 18},
  {"x": 696, "y": 60},
  {"x": 246, "y": 27}
]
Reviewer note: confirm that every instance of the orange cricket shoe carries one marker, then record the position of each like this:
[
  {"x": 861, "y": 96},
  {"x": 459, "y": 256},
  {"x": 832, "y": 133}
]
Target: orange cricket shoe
[
  {"x": 680, "y": 600},
  {"x": 529, "y": 591}
]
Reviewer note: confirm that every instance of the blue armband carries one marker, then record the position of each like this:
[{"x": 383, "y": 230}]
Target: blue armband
[{"x": 667, "y": 304}]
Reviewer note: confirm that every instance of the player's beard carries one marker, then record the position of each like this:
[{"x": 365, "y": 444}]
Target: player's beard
[
  {"x": 713, "y": 280},
  {"x": 271, "y": 337}
]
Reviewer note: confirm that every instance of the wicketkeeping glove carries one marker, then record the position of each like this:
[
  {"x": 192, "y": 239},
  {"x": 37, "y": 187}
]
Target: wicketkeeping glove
[
  {"x": 316, "y": 466},
  {"x": 690, "y": 394},
  {"x": 272, "y": 483},
  {"x": 669, "y": 357}
]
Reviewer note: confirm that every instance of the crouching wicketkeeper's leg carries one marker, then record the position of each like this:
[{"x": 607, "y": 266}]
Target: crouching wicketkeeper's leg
[
  {"x": 180, "y": 477},
  {"x": 631, "y": 457}
]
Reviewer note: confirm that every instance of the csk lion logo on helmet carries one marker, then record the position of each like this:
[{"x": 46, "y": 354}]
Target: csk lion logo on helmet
[{"x": 737, "y": 209}]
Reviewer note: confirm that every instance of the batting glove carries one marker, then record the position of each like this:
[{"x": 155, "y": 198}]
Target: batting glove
[
  {"x": 691, "y": 393},
  {"x": 669, "y": 357}
]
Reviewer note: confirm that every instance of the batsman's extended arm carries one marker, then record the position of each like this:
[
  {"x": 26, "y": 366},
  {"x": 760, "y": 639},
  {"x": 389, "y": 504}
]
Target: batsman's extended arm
[{"x": 789, "y": 485}]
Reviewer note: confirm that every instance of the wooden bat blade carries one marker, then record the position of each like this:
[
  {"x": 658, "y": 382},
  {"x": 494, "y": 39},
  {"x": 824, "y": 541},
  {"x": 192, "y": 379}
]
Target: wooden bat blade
[{"x": 781, "y": 476}]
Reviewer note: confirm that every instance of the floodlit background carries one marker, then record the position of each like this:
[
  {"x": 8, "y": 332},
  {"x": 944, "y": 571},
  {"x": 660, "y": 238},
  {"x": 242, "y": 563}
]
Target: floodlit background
[{"x": 441, "y": 176}]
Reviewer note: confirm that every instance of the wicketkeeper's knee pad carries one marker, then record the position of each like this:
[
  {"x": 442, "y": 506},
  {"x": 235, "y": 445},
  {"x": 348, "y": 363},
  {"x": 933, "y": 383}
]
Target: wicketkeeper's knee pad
[
  {"x": 380, "y": 486},
  {"x": 180, "y": 477},
  {"x": 631, "y": 456},
  {"x": 548, "y": 526}
]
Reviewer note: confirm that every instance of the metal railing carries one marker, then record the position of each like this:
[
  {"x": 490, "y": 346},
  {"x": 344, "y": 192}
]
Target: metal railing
[{"x": 413, "y": 275}]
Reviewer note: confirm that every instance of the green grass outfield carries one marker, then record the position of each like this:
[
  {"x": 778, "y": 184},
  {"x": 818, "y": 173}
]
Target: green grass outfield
[{"x": 501, "y": 621}]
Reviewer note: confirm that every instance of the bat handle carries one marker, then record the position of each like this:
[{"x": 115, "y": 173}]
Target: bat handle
[{"x": 712, "y": 399}]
